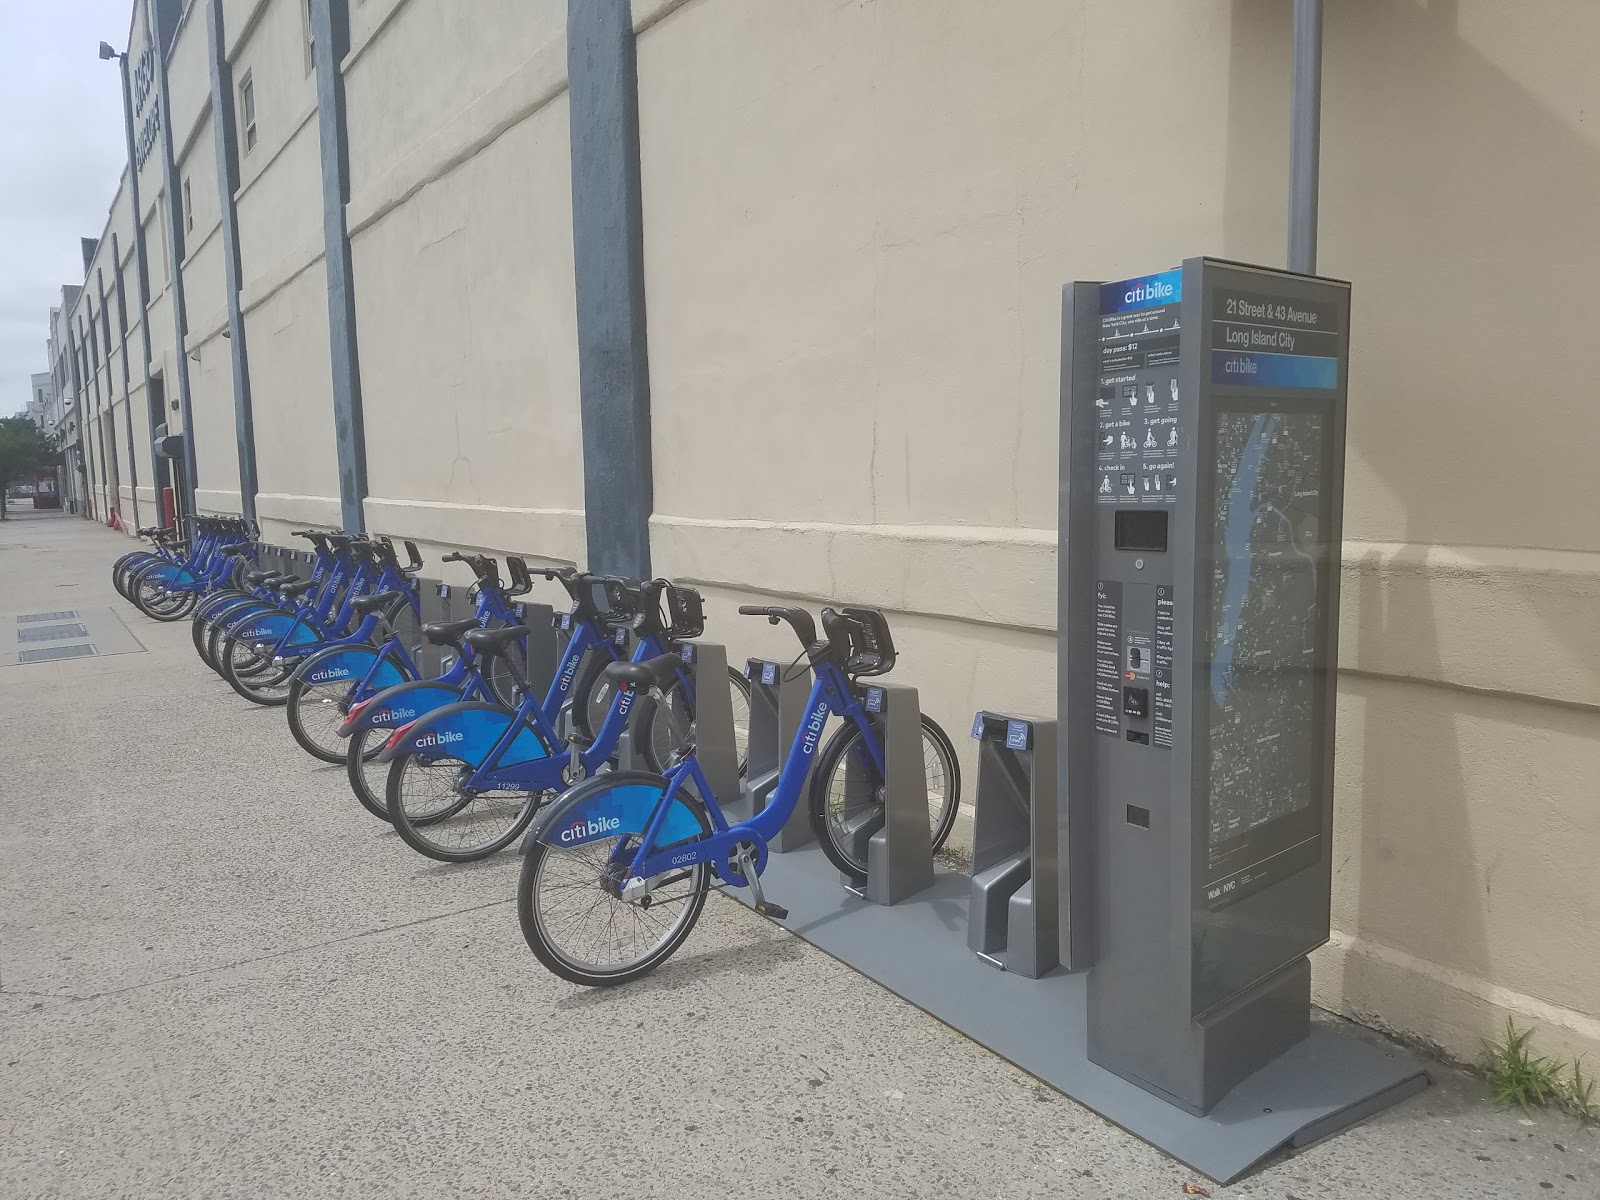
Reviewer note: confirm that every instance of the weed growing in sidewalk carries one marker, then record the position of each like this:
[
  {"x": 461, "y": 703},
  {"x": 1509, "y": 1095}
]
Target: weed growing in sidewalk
[{"x": 1521, "y": 1078}]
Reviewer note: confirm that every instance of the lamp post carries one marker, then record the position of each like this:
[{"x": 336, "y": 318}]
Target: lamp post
[{"x": 108, "y": 52}]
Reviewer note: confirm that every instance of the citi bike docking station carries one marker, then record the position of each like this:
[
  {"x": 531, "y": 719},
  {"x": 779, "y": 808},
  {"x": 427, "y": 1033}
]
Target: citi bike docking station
[
  {"x": 778, "y": 694},
  {"x": 1189, "y": 850}
]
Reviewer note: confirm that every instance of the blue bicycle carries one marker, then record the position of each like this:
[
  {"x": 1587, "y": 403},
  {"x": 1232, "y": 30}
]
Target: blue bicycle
[
  {"x": 167, "y": 584},
  {"x": 261, "y": 650},
  {"x": 465, "y": 780},
  {"x": 330, "y": 682},
  {"x": 372, "y": 721},
  {"x": 615, "y": 873}
]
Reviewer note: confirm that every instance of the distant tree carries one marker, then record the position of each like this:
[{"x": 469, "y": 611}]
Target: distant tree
[{"x": 24, "y": 450}]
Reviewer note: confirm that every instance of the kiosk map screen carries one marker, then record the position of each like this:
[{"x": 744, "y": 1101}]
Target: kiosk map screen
[{"x": 1264, "y": 689}]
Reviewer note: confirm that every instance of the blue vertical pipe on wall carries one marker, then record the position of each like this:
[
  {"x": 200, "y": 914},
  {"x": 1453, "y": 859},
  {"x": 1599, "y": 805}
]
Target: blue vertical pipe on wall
[
  {"x": 163, "y": 16},
  {"x": 142, "y": 270},
  {"x": 226, "y": 128},
  {"x": 330, "y": 31},
  {"x": 608, "y": 259}
]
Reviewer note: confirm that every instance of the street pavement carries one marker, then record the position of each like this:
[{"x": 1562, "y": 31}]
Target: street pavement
[{"x": 220, "y": 977}]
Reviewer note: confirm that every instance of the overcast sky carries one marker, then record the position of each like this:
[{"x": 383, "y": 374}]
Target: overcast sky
[{"x": 61, "y": 157}]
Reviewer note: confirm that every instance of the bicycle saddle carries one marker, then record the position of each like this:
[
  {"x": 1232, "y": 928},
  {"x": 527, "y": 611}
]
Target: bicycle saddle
[
  {"x": 658, "y": 671},
  {"x": 375, "y": 602},
  {"x": 447, "y": 633},
  {"x": 494, "y": 639},
  {"x": 290, "y": 588},
  {"x": 252, "y": 578}
]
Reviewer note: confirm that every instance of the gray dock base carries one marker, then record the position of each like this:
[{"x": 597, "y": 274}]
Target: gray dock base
[{"x": 917, "y": 949}]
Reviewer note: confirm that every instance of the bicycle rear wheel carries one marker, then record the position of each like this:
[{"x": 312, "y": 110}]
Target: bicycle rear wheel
[
  {"x": 316, "y": 713},
  {"x": 847, "y": 795},
  {"x": 369, "y": 780},
  {"x": 151, "y": 596},
  {"x": 254, "y": 675},
  {"x": 436, "y": 816},
  {"x": 574, "y": 919}
]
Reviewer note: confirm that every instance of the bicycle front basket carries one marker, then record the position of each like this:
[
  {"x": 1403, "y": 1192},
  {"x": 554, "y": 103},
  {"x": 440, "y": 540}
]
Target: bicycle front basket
[{"x": 871, "y": 647}]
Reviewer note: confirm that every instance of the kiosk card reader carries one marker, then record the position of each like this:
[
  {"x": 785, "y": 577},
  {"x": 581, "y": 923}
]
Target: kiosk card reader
[{"x": 1204, "y": 427}]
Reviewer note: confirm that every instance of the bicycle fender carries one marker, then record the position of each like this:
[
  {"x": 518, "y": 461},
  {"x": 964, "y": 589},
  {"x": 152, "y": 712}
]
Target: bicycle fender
[
  {"x": 171, "y": 575},
  {"x": 468, "y": 731},
  {"x": 610, "y": 805},
  {"x": 348, "y": 664},
  {"x": 402, "y": 703},
  {"x": 271, "y": 627}
]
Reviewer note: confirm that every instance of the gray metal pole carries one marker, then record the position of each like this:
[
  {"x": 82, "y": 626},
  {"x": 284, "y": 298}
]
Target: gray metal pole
[{"x": 1305, "y": 137}]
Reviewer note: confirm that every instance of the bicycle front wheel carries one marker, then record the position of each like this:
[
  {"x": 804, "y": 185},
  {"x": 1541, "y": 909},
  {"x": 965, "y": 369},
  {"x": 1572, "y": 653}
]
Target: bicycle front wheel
[
  {"x": 668, "y": 723},
  {"x": 573, "y": 917},
  {"x": 847, "y": 792}
]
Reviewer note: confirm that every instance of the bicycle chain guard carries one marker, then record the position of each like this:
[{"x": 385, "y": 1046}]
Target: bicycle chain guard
[{"x": 728, "y": 869}]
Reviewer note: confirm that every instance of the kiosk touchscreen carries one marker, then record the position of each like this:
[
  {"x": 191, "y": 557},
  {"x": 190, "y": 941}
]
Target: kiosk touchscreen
[{"x": 1205, "y": 425}]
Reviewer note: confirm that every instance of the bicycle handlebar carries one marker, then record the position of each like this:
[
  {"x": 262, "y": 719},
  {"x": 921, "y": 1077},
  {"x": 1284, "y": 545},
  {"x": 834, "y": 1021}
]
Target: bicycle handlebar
[{"x": 798, "y": 619}]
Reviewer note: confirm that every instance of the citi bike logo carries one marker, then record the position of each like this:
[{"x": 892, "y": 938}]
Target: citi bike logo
[
  {"x": 1152, "y": 290},
  {"x": 442, "y": 738},
  {"x": 327, "y": 674},
  {"x": 566, "y": 676},
  {"x": 395, "y": 715},
  {"x": 583, "y": 828},
  {"x": 814, "y": 730}
]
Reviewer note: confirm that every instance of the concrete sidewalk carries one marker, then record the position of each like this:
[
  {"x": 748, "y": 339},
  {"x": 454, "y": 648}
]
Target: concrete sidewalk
[{"x": 220, "y": 977}]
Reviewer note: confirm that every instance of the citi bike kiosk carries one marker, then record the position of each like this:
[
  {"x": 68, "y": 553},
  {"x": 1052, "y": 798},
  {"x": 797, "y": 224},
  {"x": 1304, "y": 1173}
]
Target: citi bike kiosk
[
  {"x": 1203, "y": 430},
  {"x": 1180, "y": 804}
]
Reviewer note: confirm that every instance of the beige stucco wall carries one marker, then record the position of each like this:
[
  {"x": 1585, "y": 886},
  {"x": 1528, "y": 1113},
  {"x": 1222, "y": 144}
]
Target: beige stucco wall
[
  {"x": 284, "y": 291},
  {"x": 461, "y": 239},
  {"x": 857, "y": 222}
]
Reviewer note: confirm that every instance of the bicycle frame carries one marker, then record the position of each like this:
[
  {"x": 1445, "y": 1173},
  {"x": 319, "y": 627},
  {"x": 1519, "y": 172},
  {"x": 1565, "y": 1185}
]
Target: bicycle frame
[
  {"x": 831, "y": 692},
  {"x": 499, "y": 735}
]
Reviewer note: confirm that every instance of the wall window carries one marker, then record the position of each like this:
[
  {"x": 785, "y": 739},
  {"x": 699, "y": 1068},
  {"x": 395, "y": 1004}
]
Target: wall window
[
  {"x": 310, "y": 35},
  {"x": 188, "y": 208},
  {"x": 247, "y": 112}
]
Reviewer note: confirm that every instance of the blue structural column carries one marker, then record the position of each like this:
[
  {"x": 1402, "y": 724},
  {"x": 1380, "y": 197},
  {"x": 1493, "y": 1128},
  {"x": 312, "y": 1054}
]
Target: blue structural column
[
  {"x": 330, "y": 31},
  {"x": 164, "y": 16},
  {"x": 226, "y": 128},
  {"x": 608, "y": 257},
  {"x": 142, "y": 271}
]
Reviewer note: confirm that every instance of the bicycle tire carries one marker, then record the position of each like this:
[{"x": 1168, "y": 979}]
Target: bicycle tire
[
  {"x": 159, "y": 604},
  {"x": 358, "y": 763},
  {"x": 304, "y": 731},
  {"x": 270, "y": 685},
  {"x": 657, "y": 738},
  {"x": 828, "y": 832},
  {"x": 541, "y": 858},
  {"x": 223, "y": 626},
  {"x": 123, "y": 568},
  {"x": 422, "y": 830},
  {"x": 207, "y": 611}
]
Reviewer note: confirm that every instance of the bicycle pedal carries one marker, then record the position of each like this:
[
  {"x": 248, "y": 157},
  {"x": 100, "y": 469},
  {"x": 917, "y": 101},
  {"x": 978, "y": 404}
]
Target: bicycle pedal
[{"x": 768, "y": 909}]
